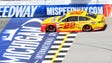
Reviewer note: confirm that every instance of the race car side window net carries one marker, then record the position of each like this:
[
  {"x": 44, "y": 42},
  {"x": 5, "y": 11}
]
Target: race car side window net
[
  {"x": 71, "y": 19},
  {"x": 65, "y": 20}
]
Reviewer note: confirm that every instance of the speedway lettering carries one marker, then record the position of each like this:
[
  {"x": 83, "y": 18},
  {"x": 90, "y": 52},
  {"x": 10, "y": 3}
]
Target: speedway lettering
[
  {"x": 17, "y": 11},
  {"x": 23, "y": 46},
  {"x": 64, "y": 10},
  {"x": 46, "y": 10}
]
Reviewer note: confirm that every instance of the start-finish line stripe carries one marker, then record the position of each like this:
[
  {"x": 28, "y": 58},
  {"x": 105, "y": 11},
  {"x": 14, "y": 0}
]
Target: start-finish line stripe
[
  {"x": 59, "y": 48},
  {"x": 66, "y": 46}
]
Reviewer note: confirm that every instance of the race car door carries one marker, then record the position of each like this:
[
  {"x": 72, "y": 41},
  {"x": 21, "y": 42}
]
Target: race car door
[
  {"x": 83, "y": 20},
  {"x": 69, "y": 24}
]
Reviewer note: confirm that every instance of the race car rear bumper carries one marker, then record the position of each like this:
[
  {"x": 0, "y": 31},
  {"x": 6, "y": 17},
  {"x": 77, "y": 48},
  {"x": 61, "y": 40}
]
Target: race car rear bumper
[{"x": 100, "y": 28}]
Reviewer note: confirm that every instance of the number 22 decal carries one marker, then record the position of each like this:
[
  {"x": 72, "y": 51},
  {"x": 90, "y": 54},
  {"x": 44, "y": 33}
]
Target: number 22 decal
[{"x": 69, "y": 25}]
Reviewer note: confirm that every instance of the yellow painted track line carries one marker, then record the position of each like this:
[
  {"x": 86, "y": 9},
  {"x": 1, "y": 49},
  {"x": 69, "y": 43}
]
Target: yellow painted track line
[{"x": 60, "y": 48}]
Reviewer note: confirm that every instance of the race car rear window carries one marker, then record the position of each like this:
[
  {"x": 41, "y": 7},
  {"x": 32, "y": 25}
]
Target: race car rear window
[
  {"x": 81, "y": 18},
  {"x": 91, "y": 15}
]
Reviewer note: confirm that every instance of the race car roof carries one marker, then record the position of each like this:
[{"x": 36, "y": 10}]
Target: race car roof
[{"x": 76, "y": 13}]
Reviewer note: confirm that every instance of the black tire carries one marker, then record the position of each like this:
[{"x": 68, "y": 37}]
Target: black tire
[
  {"x": 105, "y": 26},
  {"x": 87, "y": 28},
  {"x": 51, "y": 28}
]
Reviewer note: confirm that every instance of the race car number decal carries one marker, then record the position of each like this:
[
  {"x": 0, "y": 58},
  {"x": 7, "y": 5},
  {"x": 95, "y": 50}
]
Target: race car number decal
[{"x": 69, "y": 25}]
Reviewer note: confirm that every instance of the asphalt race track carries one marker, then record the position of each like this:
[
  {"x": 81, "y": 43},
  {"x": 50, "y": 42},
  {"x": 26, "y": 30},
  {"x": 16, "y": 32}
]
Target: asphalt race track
[
  {"x": 3, "y": 22},
  {"x": 88, "y": 47},
  {"x": 92, "y": 47}
]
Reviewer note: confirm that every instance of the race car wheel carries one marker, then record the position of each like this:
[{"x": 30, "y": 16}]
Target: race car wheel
[
  {"x": 87, "y": 28},
  {"x": 51, "y": 28}
]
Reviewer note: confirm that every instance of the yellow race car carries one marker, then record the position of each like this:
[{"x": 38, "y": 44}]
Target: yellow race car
[{"x": 75, "y": 21}]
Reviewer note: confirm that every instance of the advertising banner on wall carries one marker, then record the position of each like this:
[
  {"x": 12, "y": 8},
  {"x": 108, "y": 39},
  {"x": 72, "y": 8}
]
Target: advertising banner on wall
[
  {"x": 108, "y": 10},
  {"x": 17, "y": 11},
  {"x": 63, "y": 9}
]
